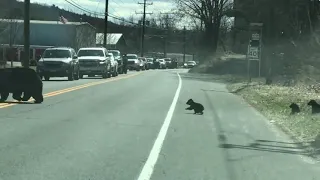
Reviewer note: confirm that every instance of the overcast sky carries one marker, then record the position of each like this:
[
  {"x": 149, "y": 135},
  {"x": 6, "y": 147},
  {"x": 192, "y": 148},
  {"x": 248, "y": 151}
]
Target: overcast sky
[{"x": 120, "y": 8}]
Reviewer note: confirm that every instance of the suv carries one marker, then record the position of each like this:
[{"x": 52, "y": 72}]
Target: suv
[
  {"x": 168, "y": 62},
  {"x": 58, "y": 62},
  {"x": 133, "y": 62},
  {"x": 149, "y": 64},
  {"x": 94, "y": 61}
]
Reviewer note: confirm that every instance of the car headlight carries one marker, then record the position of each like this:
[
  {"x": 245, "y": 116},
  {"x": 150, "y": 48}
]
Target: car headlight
[{"x": 101, "y": 61}]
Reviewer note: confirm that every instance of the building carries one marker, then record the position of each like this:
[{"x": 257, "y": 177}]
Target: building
[
  {"x": 44, "y": 34},
  {"x": 114, "y": 41}
]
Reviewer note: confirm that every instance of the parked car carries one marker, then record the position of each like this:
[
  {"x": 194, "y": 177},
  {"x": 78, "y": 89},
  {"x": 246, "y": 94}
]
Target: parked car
[
  {"x": 58, "y": 62},
  {"x": 149, "y": 64},
  {"x": 156, "y": 63},
  {"x": 190, "y": 64},
  {"x": 118, "y": 57},
  {"x": 162, "y": 64},
  {"x": 143, "y": 63},
  {"x": 168, "y": 62},
  {"x": 114, "y": 65},
  {"x": 94, "y": 61},
  {"x": 133, "y": 62}
]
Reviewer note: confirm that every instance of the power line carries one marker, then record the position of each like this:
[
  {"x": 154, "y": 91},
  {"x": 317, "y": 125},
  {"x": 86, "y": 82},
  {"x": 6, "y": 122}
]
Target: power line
[{"x": 103, "y": 14}]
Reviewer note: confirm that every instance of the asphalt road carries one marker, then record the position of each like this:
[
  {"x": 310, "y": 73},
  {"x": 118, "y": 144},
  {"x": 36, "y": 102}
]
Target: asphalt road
[{"x": 135, "y": 127}]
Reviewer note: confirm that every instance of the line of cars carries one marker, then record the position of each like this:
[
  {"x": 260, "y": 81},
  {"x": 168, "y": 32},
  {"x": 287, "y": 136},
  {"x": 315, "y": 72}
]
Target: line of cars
[
  {"x": 91, "y": 61},
  {"x": 143, "y": 63}
]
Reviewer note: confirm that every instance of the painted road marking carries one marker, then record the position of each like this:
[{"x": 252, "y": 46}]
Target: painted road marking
[
  {"x": 148, "y": 167},
  {"x": 62, "y": 91}
]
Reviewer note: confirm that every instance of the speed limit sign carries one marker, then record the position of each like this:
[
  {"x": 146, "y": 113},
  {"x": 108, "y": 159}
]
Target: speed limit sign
[{"x": 253, "y": 53}]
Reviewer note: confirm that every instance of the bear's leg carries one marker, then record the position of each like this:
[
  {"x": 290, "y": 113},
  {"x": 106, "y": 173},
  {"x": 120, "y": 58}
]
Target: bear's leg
[
  {"x": 26, "y": 96},
  {"x": 38, "y": 97},
  {"x": 17, "y": 96},
  {"x": 4, "y": 96}
]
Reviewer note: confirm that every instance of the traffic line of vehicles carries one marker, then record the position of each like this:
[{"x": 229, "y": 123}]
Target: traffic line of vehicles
[{"x": 92, "y": 61}]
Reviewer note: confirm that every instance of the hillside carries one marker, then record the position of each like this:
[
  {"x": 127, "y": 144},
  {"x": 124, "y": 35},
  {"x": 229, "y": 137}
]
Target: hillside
[{"x": 131, "y": 33}]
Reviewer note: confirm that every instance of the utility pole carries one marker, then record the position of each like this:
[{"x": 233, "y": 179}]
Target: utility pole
[
  {"x": 165, "y": 38},
  {"x": 105, "y": 24},
  {"x": 26, "y": 60},
  {"x": 10, "y": 32},
  {"x": 184, "y": 43},
  {"x": 144, "y": 25}
]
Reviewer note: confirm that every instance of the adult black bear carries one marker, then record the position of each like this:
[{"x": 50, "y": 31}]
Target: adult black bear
[
  {"x": 18, "y": 81},
  {"x": 197, "y": 107}
]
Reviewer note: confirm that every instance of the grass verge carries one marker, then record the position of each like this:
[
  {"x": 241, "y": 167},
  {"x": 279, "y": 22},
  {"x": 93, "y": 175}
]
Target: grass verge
[{"x": 273, "y": 102}]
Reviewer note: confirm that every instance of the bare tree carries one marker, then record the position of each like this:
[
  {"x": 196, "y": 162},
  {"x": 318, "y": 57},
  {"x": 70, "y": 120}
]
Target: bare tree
[
  {"x": 210, "y": 13},
  {"x": 131, "y": 20},
  {"x": 167, "y": 21},
  {"x": 153, "y": 22},
  {"x": 122, "y": 21}
]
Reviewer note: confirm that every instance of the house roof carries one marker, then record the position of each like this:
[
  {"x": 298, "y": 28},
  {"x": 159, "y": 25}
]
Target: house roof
[
  {"x": 46, "y": 22},
  {"x": 112, "y": 38}
]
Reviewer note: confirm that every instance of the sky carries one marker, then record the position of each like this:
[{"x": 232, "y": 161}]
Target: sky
[{"x": 119, "y": 8}]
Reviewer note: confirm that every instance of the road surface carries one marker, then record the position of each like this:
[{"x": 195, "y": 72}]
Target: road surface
[{"x": 135, "y": 127}]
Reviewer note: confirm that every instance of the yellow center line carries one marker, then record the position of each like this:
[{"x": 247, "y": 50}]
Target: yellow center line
[{"x": 62, "y": 91}]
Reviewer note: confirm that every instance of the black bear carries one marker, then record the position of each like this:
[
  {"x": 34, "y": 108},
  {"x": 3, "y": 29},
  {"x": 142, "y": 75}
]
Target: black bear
[
  {"x": 314, "y": 106},
  {"x": 197, "y": 107},
  {"x": 294, "y": 108},
  {"x": 18, "y": 81}
]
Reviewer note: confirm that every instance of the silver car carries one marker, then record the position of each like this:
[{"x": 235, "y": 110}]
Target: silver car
[{"x": 58, "y": 62}]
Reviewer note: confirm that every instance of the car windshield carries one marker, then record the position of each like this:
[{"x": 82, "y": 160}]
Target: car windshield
[
  {"x": 167, "y": 59},
  {"x": 150, "y": 60},
  {"x": 90, "y": 52},
  {"x": 115, "y": 53},
  {"x": 131, "y": 57},
  {"x": 191, "y": 62},
  {"x": 56, "y": 53}
]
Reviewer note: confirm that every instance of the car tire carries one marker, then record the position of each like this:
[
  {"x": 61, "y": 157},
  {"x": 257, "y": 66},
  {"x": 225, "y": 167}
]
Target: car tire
[
  {"x": 71, "y": 76},
  {"x": 105, "y": 75},
  {"x": 114, "y": 72},
  {"x": 77, "y": 76}
]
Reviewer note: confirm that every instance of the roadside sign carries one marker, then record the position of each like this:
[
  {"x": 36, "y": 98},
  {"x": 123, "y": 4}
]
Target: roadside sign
[
  {"x": 253, "y": 53},
  {"x": 255, "y": 36}
]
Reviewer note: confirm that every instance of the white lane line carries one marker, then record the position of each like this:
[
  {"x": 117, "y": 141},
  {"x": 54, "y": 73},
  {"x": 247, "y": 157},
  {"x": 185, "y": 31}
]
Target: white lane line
[{"x": 148, "y": 167}]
